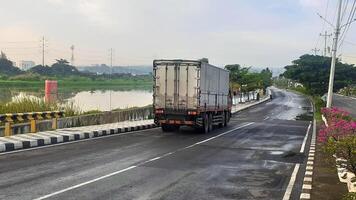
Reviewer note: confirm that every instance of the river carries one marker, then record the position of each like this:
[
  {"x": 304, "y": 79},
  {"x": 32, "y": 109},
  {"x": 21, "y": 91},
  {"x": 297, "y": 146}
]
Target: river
[{"x": 85, "y": 98}]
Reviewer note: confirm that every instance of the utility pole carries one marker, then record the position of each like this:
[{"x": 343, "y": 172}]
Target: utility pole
[
  {"x": 315, "y": 50},
  {"x": 326, "y": 35},
  {"x": 110, "y": 73},
  {"x": 72, "y": 58},
  {"x": 43, "y": 50},
  {"x": 333, "y": 59}
]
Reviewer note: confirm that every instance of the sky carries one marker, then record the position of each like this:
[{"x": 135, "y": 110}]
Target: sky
[{"x": 262, "y": 33}]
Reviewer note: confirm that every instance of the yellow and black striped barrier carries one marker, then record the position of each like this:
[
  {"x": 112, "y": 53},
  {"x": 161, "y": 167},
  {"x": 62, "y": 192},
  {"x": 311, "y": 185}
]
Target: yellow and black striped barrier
[{"x": 32, "y": 117}]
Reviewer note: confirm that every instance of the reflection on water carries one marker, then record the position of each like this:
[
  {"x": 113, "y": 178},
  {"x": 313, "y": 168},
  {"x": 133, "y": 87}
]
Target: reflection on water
[
  {"x": 86, "y": 99},
  {"x": 119, "y": 99}
]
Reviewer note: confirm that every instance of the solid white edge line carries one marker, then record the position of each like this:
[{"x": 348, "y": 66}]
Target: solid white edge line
[
  {"x": 135, "y": 166},
  {"x": 302, "y": 148},
  {"x": 290, "y": 186}
]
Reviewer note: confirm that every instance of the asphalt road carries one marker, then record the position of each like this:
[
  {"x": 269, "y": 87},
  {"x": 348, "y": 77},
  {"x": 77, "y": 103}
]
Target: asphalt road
[
  {"x": 345, "y": 103},
  {"x": 253, "y": 158}
]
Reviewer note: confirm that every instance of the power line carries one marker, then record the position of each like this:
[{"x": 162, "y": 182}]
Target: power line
[
  {"x": 111, "y": 52},
  {"x": 43, "y": 50},
  {"x": 324, "y": 22},
  {"x": 348, "y": 22},
  {"x": 326, "y": 35},
  {"x": 345, "y": 9},
  {"x": 72, "y": 58}
]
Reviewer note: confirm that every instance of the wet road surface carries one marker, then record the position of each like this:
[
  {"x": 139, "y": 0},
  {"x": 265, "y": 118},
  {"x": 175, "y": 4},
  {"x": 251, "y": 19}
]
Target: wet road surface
[
  {"x": 345, "y": 103},
  {"x": 252, "y": 158}
]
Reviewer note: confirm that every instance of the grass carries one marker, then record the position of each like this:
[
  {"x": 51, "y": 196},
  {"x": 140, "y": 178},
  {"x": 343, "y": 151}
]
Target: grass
[
  {"x": 28, "y": 104},
  {"x": 79, "y": 83}
]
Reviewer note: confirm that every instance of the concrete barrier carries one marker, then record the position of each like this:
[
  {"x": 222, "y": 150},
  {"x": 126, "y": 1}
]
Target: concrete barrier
[{"x": 85, "y": 120}]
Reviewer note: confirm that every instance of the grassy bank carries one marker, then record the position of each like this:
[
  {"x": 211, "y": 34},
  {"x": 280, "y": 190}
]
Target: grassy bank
[
  {"x": 80, "y": 82},
  {"x": 23, "y": 105}
]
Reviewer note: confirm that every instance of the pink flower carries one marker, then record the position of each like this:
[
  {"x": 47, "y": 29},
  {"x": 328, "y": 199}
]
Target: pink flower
[{"x": 353, "y": 125}]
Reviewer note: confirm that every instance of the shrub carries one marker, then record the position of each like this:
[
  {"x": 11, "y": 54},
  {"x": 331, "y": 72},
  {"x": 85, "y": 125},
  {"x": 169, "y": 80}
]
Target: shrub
[
  {"x": 350, "y": 196},
  {"x": 340, "y": 137}
]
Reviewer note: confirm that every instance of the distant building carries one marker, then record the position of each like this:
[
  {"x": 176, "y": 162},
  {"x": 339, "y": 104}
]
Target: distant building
[{"x": 26, "y": 65}]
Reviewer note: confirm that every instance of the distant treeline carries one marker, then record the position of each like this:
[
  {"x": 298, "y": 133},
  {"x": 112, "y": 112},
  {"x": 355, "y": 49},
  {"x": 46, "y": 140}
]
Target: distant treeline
[
  {"x": 104, "y": 69},
  {"x": 61, "y": 70}
]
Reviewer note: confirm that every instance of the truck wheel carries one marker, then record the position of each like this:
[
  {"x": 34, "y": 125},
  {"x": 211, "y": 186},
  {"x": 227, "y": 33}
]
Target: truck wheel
[
  {"x": 226, "y": 119},
  {"x": 223, "y": 117},
  {"x": 210, "y": 122},
  {"x": 206, "y": 124}
]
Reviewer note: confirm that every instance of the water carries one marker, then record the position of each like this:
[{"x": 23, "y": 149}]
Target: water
[{"x": 86, "y": 99}]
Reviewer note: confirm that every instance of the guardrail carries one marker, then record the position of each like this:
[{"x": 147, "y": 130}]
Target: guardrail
[{"x": 32, "y": 117}]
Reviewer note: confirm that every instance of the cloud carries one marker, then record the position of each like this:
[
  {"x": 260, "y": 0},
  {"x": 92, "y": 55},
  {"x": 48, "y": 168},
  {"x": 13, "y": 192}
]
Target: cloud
[
  {"x": 94, "y": 11},
  {"x": 56, "y": 2},
  {"x": 312, "y": 3}
]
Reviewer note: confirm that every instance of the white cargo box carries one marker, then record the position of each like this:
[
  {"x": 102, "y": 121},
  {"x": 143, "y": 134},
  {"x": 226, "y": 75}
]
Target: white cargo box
[{"x": 190, "y": 85}]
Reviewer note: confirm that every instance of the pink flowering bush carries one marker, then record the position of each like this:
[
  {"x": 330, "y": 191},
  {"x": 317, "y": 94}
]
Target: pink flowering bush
[{"x": 339, "y": 137}]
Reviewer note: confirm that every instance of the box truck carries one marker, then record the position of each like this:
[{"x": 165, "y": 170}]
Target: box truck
[{"x": 190, "y": 93}]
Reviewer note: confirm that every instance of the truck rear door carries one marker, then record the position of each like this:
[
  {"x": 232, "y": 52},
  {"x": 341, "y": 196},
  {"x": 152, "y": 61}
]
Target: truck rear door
[{"x": 176, "y": 85}]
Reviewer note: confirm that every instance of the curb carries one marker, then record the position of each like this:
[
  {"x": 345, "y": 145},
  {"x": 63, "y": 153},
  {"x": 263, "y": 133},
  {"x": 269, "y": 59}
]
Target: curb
[
  {"x": 308, "y": 177},
  {"x": 351, "y": 97},
  {"x": 30, "y": 140},
  {"x": 251, "y": 105}
]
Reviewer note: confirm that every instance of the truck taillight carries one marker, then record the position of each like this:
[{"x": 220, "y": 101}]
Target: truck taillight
[
  {"x": 192, "y": 113},
  {"x": 159, "y": 111}
]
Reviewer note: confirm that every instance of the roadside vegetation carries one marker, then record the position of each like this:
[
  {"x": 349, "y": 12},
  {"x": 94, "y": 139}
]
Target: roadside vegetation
[
  {"x": 339, "y": 143},
  {"x": 28, "y": 104},
  {"x": 243, "y": 79},
  {"x": 348, "y": 91},
  {"x": 313, "y": 73}
]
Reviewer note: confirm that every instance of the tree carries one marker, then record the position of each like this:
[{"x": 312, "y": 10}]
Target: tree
[
  {"x": 62, "y": 61},
  {"x": 7, "y": 67},
  {"x": 313, "y": 72},
  {"x": 60, "y": 68},
  {"x": 242, "y": 79},
  {"x": 266, "y": 76}
]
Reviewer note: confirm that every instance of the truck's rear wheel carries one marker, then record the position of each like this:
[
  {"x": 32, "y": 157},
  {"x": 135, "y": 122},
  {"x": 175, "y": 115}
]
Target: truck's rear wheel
[
  {"x": 223, "y": 120},
  {"x": 210, "y": 123},
  {"x": 226, "y": 118},
  {"x": 205, "y": 128}
]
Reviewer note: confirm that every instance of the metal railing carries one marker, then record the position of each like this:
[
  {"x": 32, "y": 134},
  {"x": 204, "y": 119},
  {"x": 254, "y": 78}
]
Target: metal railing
[{"x": 32, "y": 117}]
